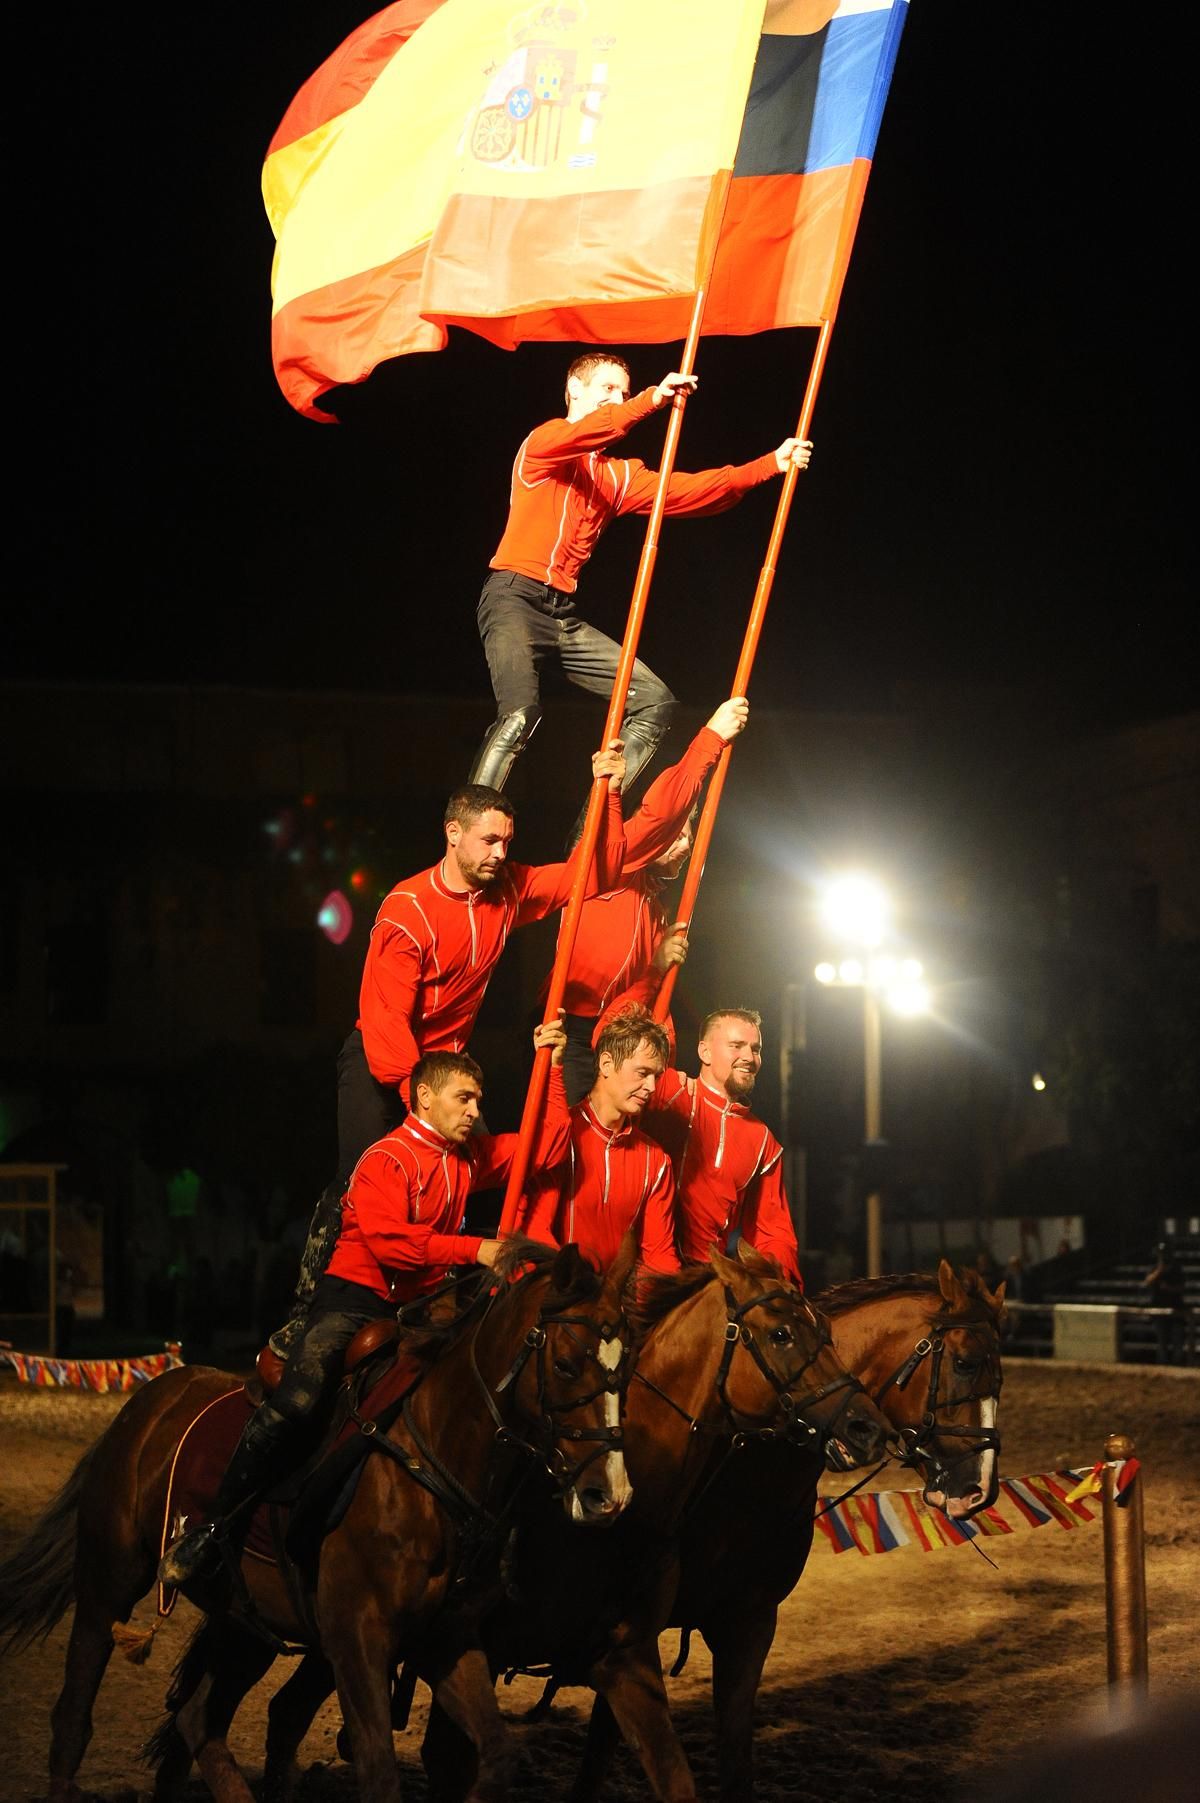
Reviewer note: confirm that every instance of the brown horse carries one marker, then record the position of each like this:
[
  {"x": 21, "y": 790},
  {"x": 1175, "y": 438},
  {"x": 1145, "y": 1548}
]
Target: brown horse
[
  {"x": 927, "y": 1350},
  {"x": 729, "y": 1355},
  {"x": 729, "y": 1352},
  {"x": 536, "y": 1365}
]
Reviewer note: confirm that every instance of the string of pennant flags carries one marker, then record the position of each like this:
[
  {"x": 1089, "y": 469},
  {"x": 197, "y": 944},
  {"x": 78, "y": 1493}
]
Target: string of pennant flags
[
  {"x": 872, "y": 1521},
  {"x": 878, "y": 1521},
  {"x": 100, "y": 1375}
]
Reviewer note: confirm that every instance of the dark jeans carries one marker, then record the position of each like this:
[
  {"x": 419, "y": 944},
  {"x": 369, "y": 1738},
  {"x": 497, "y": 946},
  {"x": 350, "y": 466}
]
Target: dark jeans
[
  {"x": 579, "y": 1060},
  {"x": 366, "y": 1111},
  {"x": 314, "y": 1365},
  {"x": 525, "y": 625}
]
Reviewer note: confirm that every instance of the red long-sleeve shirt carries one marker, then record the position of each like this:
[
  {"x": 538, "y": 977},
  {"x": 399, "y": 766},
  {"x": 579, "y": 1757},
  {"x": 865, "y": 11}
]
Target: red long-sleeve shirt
[
  {"x": 433, "y": 950},
  {"x": 728, "y": 1171},
  {"x": 611, "y": 1180},
  {"x": 620, "y": 928},
  {"x": 728, "y": 1165},
  {"x": 565, "y": 490},
  {"x": 403, "y": 1215}
]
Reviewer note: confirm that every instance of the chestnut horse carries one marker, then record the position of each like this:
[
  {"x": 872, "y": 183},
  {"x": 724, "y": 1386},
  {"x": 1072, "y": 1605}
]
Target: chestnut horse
[
  {"x": 536, "y": 1365},
  {"x": 927, "y": 1350},
  {"x": 730, "y": 1351},
  {"x": 728, "y": 1354}
]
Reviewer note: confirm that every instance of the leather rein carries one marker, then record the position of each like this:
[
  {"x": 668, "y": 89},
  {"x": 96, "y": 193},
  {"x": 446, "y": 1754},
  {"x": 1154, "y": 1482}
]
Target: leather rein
[{"x": 797, "y": 1428}]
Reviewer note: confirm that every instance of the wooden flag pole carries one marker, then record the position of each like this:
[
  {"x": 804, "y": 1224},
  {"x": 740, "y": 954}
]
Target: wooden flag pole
[
  {"x": 597, "y": 801},
  {"x": 741, "y": 680}
]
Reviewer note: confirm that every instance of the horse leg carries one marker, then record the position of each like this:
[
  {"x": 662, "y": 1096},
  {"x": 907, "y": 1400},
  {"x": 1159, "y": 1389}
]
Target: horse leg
[
  {"x": 228, "y": 1663},
  {"x": 363, "y": 1663},
  {"x": 603, "y": 1738},
  {"x": 88, "y": 1652},
  {"x": 631, "y": 1683},
  {"x": 739, "y": 1650},
  {"x": 448, "y": 1756},
  {"x": 289, "y": 1717},
  {"x": 108, "y": 1583},
  {"x": 466, "y": 1692}
]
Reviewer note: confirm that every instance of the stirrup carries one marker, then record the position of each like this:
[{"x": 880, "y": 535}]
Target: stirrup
[{"x": 199, "y": 1554}]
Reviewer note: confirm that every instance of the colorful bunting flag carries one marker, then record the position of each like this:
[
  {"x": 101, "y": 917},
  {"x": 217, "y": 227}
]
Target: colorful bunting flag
[
  {"x": 100, "y": 1375},
  {"x": 876, "y": 1521}
]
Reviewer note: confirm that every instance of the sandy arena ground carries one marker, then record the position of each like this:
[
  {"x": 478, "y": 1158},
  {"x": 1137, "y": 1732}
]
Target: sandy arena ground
[{"x": 903, "y": 1678}]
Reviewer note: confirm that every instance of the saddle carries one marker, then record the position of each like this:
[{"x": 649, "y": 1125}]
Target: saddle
[{"x": 289, "y": 1524}]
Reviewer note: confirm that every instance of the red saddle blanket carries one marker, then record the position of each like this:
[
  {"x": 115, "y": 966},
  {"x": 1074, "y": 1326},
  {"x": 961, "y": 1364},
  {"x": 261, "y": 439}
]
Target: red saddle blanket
[
  {"x": 200, "y": 1460},
  {"x": 207, "y": 1446}
]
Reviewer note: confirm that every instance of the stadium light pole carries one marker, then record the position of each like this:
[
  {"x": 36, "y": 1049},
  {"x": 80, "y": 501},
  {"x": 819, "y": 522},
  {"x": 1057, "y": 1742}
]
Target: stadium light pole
[{"x": 857, "y": 911}]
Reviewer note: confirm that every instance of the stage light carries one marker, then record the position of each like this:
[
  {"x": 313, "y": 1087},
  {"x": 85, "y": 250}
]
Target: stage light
[
  {"x": 850, "y": 971},
  {"x": 825, "y": 973},
  {"x": 908, "y": 998},
  {"x": 856, "y": 909},
  {"x": 335, "y": 917},
  {"x": 1038, "y": 1081}
]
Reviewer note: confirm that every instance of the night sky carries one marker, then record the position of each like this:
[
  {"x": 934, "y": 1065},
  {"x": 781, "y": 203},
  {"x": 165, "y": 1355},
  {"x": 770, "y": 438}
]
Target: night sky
[{"x": 996, "y": 494}]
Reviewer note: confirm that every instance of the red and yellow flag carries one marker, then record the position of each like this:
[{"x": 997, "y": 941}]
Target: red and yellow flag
[{"x": 565, "y": 171}]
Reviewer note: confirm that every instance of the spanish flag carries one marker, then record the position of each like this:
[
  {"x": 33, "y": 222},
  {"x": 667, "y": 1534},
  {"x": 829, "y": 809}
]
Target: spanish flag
[{"x": 567, "y": 171}]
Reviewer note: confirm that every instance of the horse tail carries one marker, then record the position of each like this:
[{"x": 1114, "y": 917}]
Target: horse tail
[
  {"x": 37, "y": 1583},
  {"x": 193, "y": 1663}
]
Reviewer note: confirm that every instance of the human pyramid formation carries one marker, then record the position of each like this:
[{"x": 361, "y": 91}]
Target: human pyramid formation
[{"x": 627, "y": 1143}]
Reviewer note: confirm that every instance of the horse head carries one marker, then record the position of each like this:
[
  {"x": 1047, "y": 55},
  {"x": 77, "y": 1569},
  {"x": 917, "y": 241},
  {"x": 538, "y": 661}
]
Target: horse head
[
  {"x": 567, "y": 1376},
  {"x": 779, "y": 1374},
  {"x": 929, "y": 1353}
]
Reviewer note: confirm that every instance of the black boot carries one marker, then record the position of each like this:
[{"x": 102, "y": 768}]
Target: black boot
[
  {"x": 503, "y": 744},
  {"x": 260, "y": 1460},
  {"x": 640, "y": 746},
  {"x": 323, "y": 1232}
]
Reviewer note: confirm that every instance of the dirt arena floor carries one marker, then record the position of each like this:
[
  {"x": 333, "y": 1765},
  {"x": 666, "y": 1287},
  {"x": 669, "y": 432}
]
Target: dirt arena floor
[{"x": 907, "y": 1677}]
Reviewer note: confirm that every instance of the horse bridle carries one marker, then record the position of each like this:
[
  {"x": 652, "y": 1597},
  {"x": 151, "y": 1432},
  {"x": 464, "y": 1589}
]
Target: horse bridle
[
  {"x": 797, "y": 1428},
  {"x": 607, "y": 1439},
  {"x": 917, "y": 1440}
]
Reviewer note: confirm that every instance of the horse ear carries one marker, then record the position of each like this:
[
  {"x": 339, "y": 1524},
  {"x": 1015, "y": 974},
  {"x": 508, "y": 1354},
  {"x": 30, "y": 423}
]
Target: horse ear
[
  {"x": 623, "y": 1263},
  {"x": 997, "y": 1295},
  {"x": 564, "y": 1274},
  {"x": 724, "y": 1267},
  {"x": 953, "y": 1293}
]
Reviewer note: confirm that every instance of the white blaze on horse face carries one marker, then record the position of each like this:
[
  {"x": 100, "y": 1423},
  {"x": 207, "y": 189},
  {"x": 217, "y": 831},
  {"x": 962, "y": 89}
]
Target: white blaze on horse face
[
  {"x": 987, "y": 1463},
  {"x": 620, "y": 1490}
]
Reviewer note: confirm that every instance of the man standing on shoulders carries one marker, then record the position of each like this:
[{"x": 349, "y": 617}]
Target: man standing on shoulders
[
  {"x": 565, "y": 490},
  {"x": 728, "y": 1165},
  {"x": 614, "y": 1178},
  {"x": 401, "y": 1234}
]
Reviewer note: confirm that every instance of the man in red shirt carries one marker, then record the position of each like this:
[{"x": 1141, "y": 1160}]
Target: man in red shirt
[
  {"x": 436, "y": 940},
  {"x": 613, "y": 1178},
  {"x": 622, "y": 928},
  {"x": 401, "y": 1234},
  {"x": 728, "y": 1165},
  {"x": 565, "y": 490}
]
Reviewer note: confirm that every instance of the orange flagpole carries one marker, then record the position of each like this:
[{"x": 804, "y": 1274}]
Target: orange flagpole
[
  {"x": 762, "y": 593},
  {"x": 597, "y": 801}
]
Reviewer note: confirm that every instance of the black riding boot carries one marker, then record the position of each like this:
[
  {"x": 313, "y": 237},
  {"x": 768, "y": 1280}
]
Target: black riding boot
[
  {"x": 323, "y": 1230},
  {"x": 261, "y": 1458},
  {"x": 503, "y": 744}
]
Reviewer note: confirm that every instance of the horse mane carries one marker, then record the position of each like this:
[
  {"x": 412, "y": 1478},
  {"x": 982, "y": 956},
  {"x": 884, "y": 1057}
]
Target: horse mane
[
  {"x": 657, "y": 1292},
  {"x": 526, "y": 1260},
  {"x": 840, "y": 1297}
]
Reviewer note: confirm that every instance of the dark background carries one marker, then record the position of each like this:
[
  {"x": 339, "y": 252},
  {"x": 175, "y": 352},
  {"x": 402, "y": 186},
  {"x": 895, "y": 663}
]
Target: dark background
[
  {"x": 984, "y": 567},
  {"x": 996, "y": 493}
]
